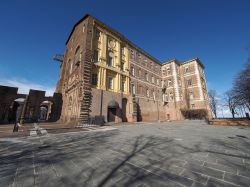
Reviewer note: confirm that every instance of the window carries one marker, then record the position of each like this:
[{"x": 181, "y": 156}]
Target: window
[
  {"x": 140, "y": 90},
  {"x": 110, "y": 83},
  {"x": 80, "y": 92},
  {"x": 192, "y": 105},
  {"x": 181, "y": 97},
  {"x": 163, "y": 72},
  {"x": 165, "y": 97},
  {"x": 146, "y": 75},
  {"x": 169, "y": 82},
  {"x": 132, "y": 54},
  {"x": 95, "y": 56},
  {"x": 139, "y": 73},
  {"x": 139, "y": 55},
  {"x": 110, "y": 61},
  {"x": 97, "y": 35},
  {"x": 191, "y": 95},
  {"x": 71, "y": 67},
  {"x": 168, "y": 71},
  {"x": 179, "y": 82},
  {"x": 133, "y": 71},
  {"x": 153, "y": 79},
  {"x": 154, "y": 95},
  {"x": 162, "y": 83},
  {"x": 94, "y": 79},
  {"x": 123, "y": 86},
  {"x": 123, "y": 50},
  {"x": 158, "y": 82},
  {"x": 122, "y": 66},
  {"x": 171, "y": 96},
  {"x": 133, "y": 88},
  {"x": 68, "y": 65},
  {"x": 70, "y": 101},
  {"x": 189, "y": 82},
  {"x": 186, "y": 69},
  {"x": 147, "y": 92}
]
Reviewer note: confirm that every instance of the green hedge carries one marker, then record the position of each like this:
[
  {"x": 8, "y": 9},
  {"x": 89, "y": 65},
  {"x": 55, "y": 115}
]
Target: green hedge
[{"x": 194, "y": 113}]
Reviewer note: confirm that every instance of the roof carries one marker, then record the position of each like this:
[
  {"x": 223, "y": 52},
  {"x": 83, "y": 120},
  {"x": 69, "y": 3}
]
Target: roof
[
  {"x": 77, "y": 23},
  {"x": 129, "y": 42},
  {"x": 184, "y": 62},
  {"x": 114, "y": 32}
]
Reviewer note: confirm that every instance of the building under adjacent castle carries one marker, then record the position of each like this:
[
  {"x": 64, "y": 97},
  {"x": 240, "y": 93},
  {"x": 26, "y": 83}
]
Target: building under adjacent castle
[
  {"x": 104, "y": 76},
  {"x": 31, "y": 107}
]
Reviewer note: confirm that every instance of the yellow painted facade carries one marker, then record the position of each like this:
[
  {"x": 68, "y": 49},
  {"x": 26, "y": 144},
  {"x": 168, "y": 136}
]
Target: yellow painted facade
[{"x": 111, "y": 64}]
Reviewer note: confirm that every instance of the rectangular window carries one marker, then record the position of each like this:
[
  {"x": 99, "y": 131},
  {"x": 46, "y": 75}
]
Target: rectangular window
[
  {"x": 133, "y": 71},
  {"x": 169, "y": 82},
  {"x": 123, "y": 86},
  {"x": 168, "y": 71},
  {"x": 123, "y": 50},
  {"x": 122, "y": 66},
  {"x": 110, "y": 83},
  {"x": 110, "y": 61},
  {"x": 189, "y": 82},
  {"x": 95, "y": 56},
  {"x": 94, "y": 79},
  {"x": 191, "y": 95},
  {"x": 133, "y": 88},
  {"x": 162, "y": 83},
  {"x": 163, "y": 72}
]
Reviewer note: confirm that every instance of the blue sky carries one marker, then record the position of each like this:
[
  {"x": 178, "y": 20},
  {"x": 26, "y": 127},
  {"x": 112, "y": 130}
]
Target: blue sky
[{"x": 216, "y": 31}]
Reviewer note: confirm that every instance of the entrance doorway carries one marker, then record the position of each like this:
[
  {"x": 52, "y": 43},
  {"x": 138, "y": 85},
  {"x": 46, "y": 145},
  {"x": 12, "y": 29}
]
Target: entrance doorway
[
  {"x": 113, "y": 107},
  {"x": 111, "y": 114}
]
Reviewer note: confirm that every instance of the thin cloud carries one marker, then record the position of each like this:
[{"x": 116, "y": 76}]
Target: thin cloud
[{"x": 24, "y": 86}]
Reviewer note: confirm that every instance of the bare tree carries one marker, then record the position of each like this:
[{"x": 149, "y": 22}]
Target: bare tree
[
  {"x": 213, "y": 101},
  {"x": 241, "y": 87},
  {"x": 232, "y": 102}
]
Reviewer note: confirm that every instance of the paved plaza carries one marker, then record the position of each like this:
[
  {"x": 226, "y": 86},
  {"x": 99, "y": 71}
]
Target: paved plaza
[{"x": 142, "y": 154}]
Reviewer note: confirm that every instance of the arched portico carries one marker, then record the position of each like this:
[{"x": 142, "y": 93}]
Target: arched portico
[
  {"x": 113, "y": 108},
  {"x": 45, "y": 110}
]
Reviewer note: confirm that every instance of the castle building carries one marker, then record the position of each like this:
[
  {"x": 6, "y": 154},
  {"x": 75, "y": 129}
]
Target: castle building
[{"x": 104, "y": 76}]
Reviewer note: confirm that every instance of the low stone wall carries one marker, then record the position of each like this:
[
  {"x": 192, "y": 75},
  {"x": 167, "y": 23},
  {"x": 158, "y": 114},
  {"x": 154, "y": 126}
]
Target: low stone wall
[{"x": 230, "y": 122}]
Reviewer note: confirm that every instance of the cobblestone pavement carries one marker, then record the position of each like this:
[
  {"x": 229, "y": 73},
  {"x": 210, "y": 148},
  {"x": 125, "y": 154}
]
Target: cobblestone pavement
[{"x": 160, "y": 154}]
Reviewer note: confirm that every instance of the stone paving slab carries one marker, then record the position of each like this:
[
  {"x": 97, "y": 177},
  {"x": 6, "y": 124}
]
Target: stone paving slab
[{"x": 162, "y": 154}]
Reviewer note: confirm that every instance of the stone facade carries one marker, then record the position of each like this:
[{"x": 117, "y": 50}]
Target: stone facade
[
  {"x": 31, "y": 107},
  {"x": 104, "y": 75}
]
